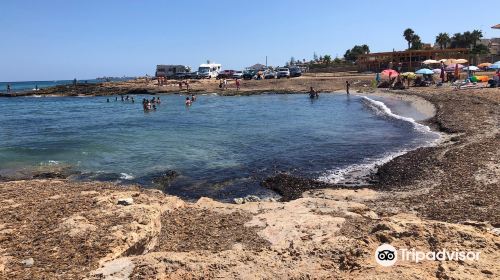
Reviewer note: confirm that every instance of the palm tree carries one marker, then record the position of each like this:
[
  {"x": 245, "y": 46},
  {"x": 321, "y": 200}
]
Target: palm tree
[
  {"x": 408, "y": 34},
  {"x": 476, "y": 35},
  {"x": 416, "y": 43},
  {"x": 443, "y": 39}
]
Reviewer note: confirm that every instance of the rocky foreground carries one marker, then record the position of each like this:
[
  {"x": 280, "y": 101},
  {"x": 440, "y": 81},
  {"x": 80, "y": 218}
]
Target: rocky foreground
[{"x": 443, "y": 197}]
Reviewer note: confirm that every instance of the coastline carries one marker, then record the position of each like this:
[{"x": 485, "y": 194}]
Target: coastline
[{"x": 443, "y": 196}]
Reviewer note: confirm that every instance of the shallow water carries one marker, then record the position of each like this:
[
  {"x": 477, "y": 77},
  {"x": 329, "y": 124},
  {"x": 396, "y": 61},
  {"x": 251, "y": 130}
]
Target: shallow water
[{"x": 221, "y": 146}]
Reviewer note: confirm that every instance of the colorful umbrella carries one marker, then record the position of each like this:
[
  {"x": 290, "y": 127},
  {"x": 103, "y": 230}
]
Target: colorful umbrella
[
  {"x": 409, "y": 75},
  {"x": 430, "y": 61},
  {"x": 486, "y": 64},
  {"x": 471, "y": 68},
  {"x": 452, "y": 67},
  {"x": 390, "y": 73},
  {"x": 425, "y": 71}
]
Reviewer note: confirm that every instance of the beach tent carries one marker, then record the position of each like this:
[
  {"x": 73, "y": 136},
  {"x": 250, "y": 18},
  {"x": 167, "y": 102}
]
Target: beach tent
[
  {"x": 471, "y": 68},
  {"x": 425, "y": 71},
  {"x": 430, "y": 61}
]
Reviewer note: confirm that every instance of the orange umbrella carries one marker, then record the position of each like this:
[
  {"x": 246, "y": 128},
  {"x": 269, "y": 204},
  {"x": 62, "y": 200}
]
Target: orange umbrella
[{"x": 482, "y": 65}]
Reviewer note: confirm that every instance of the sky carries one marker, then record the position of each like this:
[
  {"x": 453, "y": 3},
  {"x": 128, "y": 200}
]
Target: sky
[{"x": 66, "y": 39}]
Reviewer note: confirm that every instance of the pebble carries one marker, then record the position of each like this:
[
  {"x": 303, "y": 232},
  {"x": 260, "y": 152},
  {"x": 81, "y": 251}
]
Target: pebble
[
  {"x": 125, "y": 201},
  {"x": 28, "y": 262}
]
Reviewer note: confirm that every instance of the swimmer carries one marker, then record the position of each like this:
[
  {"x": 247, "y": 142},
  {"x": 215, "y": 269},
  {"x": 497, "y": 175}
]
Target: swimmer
[
  {"x": 193, "y": 98},
  {"x": 313, "y": 93},
  {"x": 188, "y": 101}
]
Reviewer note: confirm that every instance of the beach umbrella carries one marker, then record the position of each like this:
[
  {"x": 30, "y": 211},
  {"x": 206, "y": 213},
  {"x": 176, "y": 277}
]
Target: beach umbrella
[
  {"x": 498, "y": 62},
  {"x": 437, "y": 71},
  {"x": 486, "y": 64},
  {"x": 444, "y": 60},
  {"x": 425, "y": 71},
  {"x": 452, "y": 67},
  {"x": 390, "y": 73},
  {"x": 460, "y": 61},
  {"x": 409, "y": 75},
  {"x": 471, "y": 68},
  {"x": 495, "y": 66},
  {"x": 430, "y": 61}
]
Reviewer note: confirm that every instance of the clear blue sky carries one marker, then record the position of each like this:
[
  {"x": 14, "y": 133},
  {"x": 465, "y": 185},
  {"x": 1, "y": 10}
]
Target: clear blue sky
[{"x": 62, "y": 39}]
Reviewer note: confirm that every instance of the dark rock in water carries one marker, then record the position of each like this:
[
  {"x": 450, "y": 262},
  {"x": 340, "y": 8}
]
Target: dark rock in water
[
  {"x": 50, "y": 175},
  {"x": 290, "y": 187},
  {"x": 164, "y": 179}
]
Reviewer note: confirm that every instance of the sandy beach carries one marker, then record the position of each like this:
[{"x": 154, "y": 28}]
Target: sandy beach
[{"x": 445, "y": 196}]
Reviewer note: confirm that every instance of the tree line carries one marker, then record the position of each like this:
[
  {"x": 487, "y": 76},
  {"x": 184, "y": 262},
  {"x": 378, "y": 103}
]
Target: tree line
[{"x": 466, "y": 40}]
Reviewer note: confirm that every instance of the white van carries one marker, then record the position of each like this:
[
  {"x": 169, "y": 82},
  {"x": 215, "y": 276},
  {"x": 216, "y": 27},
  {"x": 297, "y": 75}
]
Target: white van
[{"x": 207, "y": 71}]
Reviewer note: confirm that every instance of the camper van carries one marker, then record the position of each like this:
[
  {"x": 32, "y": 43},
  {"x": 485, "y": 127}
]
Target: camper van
[
  {"x": 207, "y": 71},
  {"x": 170, "y": 71}
]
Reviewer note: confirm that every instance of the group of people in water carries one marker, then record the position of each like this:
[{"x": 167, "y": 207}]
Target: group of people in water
[{"x": 150, "y": 105}]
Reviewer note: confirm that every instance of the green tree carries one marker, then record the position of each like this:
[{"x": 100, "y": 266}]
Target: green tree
[
  {"x": 327, "y": 59},
  {"x": 480, "y": 49},
  {"x": 408, "y": 35},
  {"x": 476, "y": 35},
  {"x": 443, "y": 39},
  {"x": 352, "y": 54},
  {"x": 416, "y": 43}
]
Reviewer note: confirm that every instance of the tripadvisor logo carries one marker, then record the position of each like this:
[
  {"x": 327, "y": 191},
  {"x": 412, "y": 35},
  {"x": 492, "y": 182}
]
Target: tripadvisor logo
[{"x": 387, "y": 255}]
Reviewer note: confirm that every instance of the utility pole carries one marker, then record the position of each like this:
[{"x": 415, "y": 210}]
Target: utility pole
[{"x": 266, "y": 61}]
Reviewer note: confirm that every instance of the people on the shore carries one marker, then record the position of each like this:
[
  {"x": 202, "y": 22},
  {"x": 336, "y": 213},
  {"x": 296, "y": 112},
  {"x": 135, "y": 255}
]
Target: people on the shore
[
  {"x": 225, "y": 84},
  {"x": 180, "y": 85},
  {"x": 347, "y": 86},
  {"x": 221, "y": 84},
  {"x": 186, "y": 83},
  {"x": 237, "y": 84}
]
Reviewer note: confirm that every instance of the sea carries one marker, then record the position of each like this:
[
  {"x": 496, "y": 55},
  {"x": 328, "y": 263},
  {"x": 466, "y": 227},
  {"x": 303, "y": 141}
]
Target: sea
[{"x": 220, "y": 147}]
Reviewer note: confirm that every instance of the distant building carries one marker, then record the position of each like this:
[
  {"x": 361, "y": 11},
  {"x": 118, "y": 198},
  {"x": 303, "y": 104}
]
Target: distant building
[
  {"x": 409, "y": 60},
  {"x": 169, "y": 71}
]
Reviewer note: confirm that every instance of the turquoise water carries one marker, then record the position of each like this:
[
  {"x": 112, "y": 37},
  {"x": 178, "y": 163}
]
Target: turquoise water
[{"x": 222, "y": 147}]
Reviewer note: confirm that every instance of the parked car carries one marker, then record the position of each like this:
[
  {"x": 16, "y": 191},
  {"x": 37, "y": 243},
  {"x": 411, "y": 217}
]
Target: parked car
[
  {"x": 282, "y": 72},
  {"x": 249, "y": 74},
  {"x": 225, "y": 74},
  {"x": 269, "y": 74},
  {"x": 180, "y": 76},
  {"x": 295, "y": 72},
  {"x": 238, "y": 74}
]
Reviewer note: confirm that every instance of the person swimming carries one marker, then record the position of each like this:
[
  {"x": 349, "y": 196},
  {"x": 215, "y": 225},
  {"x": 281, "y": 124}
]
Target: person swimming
[
  {"x": 313, "y": 93},
  {"x": 158, "y": 101},
  {"x": 193, "y": 98},
  {"x": 188, "y": 101}
]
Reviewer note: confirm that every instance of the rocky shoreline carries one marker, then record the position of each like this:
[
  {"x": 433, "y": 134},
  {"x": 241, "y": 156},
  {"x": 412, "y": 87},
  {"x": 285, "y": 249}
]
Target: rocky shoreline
[{"x": 430, "y": 198}]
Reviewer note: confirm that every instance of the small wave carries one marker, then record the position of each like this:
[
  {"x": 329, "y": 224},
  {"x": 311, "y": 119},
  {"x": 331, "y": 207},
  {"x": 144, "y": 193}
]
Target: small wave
[
  {"x": 125, "y": 176},
  {"x": 50, "y": 163},
  {"x": 380, "y": 108},
  {"x": 358, "y": 174}
]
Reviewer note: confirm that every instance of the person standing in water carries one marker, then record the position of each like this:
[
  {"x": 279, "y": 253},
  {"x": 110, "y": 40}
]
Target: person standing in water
[
  {"x": 188, "y": 101},
  {"x": 347, "y": 86},
  {"x": 8, "y": 87}
]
